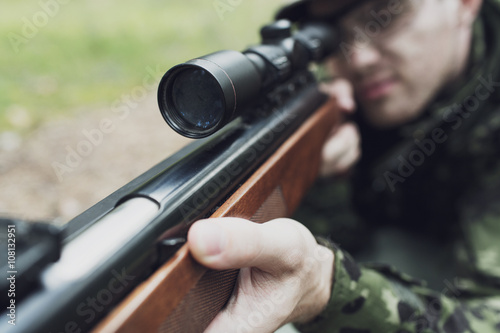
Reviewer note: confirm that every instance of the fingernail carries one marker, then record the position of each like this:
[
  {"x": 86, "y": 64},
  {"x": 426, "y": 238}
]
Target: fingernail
[{"x": 211, "y": 239}]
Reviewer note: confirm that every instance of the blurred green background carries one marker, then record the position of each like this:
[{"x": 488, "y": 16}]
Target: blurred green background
[{"x": 61, "y": 57}]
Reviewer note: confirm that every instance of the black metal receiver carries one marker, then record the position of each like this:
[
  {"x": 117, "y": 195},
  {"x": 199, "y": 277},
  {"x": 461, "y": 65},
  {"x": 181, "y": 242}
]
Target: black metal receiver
[{"x": 201, "y": 96}]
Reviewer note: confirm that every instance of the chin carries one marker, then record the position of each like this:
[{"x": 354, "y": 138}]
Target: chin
[{"x": 383, "y": 114}]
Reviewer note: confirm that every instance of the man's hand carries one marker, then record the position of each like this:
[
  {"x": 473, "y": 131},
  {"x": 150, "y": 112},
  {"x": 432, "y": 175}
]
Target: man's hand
[
  {"x": 285, "y": 275},
  {"x": 342, "y": 149}
]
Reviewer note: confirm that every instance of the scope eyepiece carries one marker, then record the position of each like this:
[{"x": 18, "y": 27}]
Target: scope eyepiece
[{"x": 201, "y": 96}]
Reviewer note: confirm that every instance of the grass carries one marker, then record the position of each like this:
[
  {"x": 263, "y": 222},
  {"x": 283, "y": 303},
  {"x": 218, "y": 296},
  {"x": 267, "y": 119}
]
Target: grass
[{"x": 86, "y": 54}]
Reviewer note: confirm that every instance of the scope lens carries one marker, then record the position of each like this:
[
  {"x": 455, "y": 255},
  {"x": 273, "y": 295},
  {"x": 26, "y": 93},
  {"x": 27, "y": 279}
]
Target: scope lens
[{"x": 197, "y": 98}]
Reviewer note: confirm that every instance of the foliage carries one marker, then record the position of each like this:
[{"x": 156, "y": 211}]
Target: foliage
[{"x": 75, "y": 56}]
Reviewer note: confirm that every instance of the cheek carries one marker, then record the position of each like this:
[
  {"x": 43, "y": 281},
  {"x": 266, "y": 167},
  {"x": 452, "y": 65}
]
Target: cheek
[
  {"x": 421, "y": 61},
  {"x": 425, "y": 52}
]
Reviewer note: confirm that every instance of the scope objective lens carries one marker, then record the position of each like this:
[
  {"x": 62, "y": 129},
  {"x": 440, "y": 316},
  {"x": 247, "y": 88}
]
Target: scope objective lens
[{"x": 197, "y": 98}]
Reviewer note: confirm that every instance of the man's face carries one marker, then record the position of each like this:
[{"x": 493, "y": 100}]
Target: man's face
[{"x": 399, "y": 54}]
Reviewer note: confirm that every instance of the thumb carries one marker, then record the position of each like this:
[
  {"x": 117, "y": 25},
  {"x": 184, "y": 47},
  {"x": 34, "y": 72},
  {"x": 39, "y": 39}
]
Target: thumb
[
  {"x": 341, "y": 90},
  {"x": 225, "y": 243}
]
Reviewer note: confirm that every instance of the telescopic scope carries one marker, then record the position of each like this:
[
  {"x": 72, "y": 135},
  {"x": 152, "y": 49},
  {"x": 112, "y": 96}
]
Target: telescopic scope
[{"x": 199, "y": 97}]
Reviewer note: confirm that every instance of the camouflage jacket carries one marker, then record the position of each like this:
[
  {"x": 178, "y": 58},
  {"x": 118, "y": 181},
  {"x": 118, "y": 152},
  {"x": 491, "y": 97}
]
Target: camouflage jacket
[{"x": 440, "y": 177}]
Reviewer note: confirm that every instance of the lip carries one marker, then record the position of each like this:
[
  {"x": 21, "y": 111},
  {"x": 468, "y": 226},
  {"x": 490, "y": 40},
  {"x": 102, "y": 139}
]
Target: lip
[{"x": 375, "y": 89}]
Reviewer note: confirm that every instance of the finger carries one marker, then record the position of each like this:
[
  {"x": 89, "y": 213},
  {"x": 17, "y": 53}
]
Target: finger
[
  {"x": 350, "y": 157},
  {"x": 341, "y": 150},
  {"x": 224, "y": 243},
  {"x": 344, "y": 141},
  {"x": 246, "y": 311},
  {"x": 347, "y": 160},
  {"x": 341, "y": 90}
]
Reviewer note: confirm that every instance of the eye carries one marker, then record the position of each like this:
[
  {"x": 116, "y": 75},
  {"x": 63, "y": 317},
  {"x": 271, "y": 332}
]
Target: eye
[
  {"x": 380, "y": 6},
  {"x": 373, "y": 8},
  {"x": 391, "y": 14}
]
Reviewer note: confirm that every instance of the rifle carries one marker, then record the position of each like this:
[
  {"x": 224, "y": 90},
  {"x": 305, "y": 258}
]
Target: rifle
[{"x": 261, "y": 120}]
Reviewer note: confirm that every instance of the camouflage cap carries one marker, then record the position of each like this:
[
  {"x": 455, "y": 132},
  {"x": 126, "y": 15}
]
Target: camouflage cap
[{"x": 316, "y": 9}]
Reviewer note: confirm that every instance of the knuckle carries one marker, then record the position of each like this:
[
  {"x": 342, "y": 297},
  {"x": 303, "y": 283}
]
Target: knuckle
[{"x": 295, "y": 239}]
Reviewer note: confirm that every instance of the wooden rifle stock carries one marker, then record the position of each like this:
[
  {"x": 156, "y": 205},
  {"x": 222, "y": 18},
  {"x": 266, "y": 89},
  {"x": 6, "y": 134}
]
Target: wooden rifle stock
[{"x": 182, "y": 295}]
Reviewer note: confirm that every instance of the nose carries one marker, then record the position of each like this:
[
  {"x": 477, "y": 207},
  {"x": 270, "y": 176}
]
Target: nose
[{"x": 364, "y": 55}]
